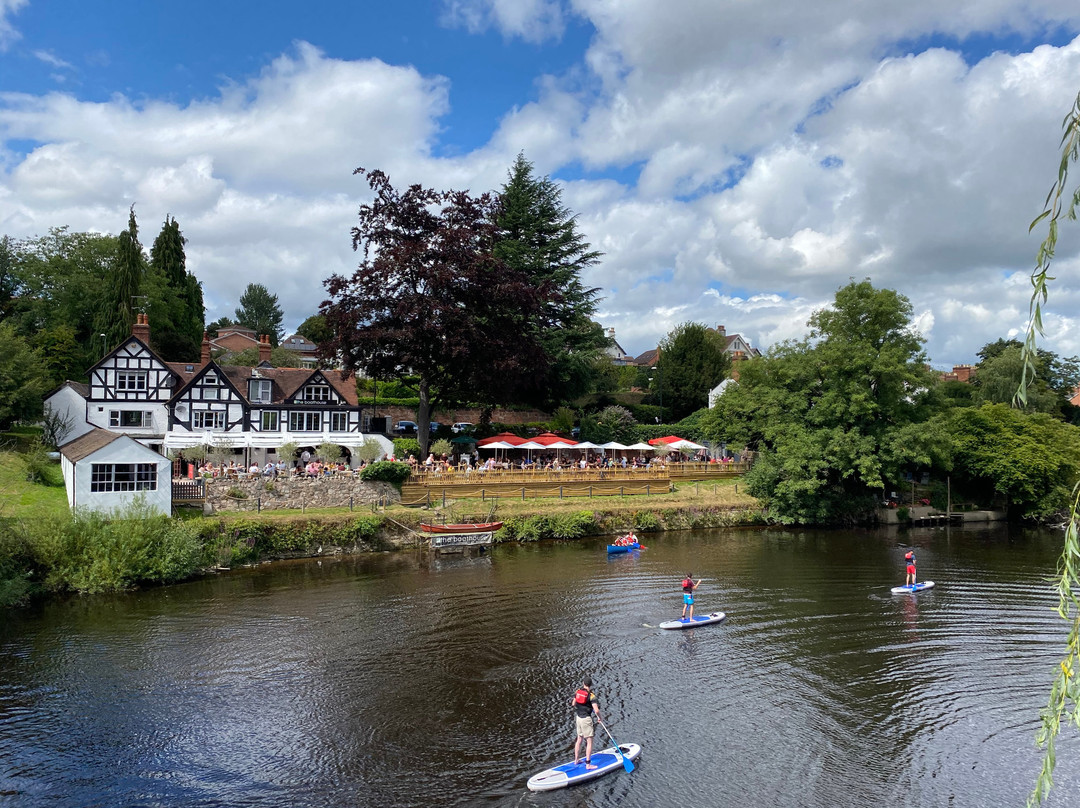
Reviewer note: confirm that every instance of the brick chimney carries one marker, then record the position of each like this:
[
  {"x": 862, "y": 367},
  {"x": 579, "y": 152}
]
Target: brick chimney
[
  {"x": 736, "y": 359},
  {"x": 264, "y": 348},
  {"x": 141, "y": 328},
  {"x": 721, "y": 330},
  {"x": 204, "y": 357}
]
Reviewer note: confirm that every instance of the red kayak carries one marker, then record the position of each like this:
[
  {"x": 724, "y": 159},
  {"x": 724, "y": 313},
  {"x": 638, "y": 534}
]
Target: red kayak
[{"x": 463, "y": 527}]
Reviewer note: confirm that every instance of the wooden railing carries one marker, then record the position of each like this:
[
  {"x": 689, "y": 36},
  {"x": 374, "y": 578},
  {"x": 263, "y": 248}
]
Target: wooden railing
[
  {"x": 188, "y": 490},
  {"x": 472, "y": 476}
]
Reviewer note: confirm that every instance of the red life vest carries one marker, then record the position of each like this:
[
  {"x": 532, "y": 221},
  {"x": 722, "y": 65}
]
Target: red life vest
[
  {"x": 687, "y": 585},
  {"x": 581, "y": 696}
]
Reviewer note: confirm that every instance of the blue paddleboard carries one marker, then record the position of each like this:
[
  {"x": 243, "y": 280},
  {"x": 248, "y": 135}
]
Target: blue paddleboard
[
  {"x": 918, "y": 587},
  {"x": 568, "y": 774},
  {"x": 699, "y": 620}
]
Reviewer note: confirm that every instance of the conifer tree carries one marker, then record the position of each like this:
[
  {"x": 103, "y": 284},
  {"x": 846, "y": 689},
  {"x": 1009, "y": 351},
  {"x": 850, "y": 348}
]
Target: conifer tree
[
  {"x": 124, "y": 285},
  {"x": 177, "y": 311}
]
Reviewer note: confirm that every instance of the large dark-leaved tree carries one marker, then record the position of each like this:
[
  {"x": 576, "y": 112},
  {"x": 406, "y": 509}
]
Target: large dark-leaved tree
[
  {"x": 539, "y": 237},
  {"x": 431, "y": 301},
  {"x": 692, "y": 361}
]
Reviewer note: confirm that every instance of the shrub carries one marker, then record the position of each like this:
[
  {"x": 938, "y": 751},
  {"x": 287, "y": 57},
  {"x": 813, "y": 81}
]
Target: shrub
[
  {"x": 386, "y": 471},
  {"x": 646, "y": 520}
]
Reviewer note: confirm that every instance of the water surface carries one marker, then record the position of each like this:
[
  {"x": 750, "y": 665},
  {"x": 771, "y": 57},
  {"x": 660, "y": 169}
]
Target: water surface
[{"x": 405, "y": 679}]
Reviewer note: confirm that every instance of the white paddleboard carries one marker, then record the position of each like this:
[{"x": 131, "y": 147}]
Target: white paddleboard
[
  {"x": 910, "y": 589},
  {"x": 567, "y": 774},
  {"x": 699, "y": 620}
]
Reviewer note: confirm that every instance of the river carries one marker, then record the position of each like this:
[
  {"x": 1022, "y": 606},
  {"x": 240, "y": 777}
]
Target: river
[{"x": 399, "y": 679}]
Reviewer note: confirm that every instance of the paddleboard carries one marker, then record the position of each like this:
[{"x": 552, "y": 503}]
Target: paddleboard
[
  {"x": 699, "y": 620},
  {"x": 567, "y": 774},
  {"x": 907, "y": 590}
]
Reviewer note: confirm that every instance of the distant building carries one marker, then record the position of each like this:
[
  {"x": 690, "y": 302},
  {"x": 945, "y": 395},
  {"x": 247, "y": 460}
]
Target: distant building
[
  {"x": 734, "y": 343},
  {"x": 615, "y": 351},
  {"x": 307, "y": 349},
  {"x": 959, "y": 373}
]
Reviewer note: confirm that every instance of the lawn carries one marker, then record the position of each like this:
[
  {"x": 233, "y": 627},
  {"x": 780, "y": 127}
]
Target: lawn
[{"x": 19, "y": 498}]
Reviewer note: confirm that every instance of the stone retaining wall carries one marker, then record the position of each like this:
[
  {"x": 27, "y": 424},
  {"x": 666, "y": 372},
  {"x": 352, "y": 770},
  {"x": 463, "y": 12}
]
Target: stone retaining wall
[{"x": 269, "y": 494}]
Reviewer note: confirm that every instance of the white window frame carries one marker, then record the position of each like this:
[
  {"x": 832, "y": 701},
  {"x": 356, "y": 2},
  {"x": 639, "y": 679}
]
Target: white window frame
[
  {"x": 216, "y": 418},
  {"x": 301, "y": 420},
  {"x": 274, "y": 419},
  {"x": 131, "y": 381},
  {"x": 116, "y": 419},
  {"x": 317, "y": 392},
  {"x": 339, "y": 422},
  {"x": 260, "y": 390},
  {"x": 108, "y": 478}
]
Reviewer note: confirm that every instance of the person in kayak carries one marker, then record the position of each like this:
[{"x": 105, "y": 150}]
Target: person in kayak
[
  {"x": 910, "y": 559},
  {"x": 585, "y": 705},
  {"x": 688, "y": 587}
]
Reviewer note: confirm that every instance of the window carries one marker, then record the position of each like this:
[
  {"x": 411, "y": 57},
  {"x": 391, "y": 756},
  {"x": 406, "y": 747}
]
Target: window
[
  {"x": 269, "y": 421},
  {"x": 339, "y": 422},
  {"x": 204, "y": 419},
  {"x": 317, "y": 392},
  {"x": 130, "y": 418},
  {"x": 259, "y": 391},
  {"x": 209, "y": 393},
  {"x": 305, "y": 421},
  {"x": 108, "y": 477},
  {"x": 128, "y": 381}
]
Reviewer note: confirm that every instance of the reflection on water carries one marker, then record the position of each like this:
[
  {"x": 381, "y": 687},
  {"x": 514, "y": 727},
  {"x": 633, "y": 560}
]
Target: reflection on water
[{"x": 407, "y": 679}]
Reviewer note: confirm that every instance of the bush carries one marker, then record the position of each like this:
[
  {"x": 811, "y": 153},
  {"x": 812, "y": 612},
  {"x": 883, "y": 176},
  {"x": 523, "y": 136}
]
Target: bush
[
  {"x": 646, "y": 520},
  {"x": 226, "y": 543},
  {"x": 386, "y": 471},
  {"x": 553, "y": 526}
]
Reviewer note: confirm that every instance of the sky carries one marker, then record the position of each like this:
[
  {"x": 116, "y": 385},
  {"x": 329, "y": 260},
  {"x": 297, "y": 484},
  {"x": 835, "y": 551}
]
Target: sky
[{"x": 736, "y": 163}]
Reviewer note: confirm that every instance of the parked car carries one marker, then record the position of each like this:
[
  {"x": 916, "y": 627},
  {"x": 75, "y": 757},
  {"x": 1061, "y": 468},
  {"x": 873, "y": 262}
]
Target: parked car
[
  {"x": 461, "y": 426},
  {"x": 405, "y": 427},
  {"x": 434, "y": 426}
]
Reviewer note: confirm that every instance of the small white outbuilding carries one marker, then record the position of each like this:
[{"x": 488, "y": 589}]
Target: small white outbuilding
[{"x": 105, "y": 471}]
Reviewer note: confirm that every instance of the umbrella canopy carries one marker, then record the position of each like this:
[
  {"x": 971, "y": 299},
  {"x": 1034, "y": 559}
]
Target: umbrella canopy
[
  {"x": 586, "y": 445},
  {"x": 498, "y": 445},
  {"x": 686, "y": 444},
  {"x": 562, "y": 444},
  {"x": 644, "y": 447},
  {"x": 530, "y": 445},
  {"x": 463, "y": 439},
  {"x": 667, "y": 439},
  {"x": 502, "y": 437},
  {"x": 550, "y": 438},
  {"x": 611, "y": 444}
]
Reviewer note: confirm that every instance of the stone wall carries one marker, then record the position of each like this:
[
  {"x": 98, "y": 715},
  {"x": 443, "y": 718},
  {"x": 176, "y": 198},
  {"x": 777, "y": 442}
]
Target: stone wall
[{"x": 268, "y": 494}]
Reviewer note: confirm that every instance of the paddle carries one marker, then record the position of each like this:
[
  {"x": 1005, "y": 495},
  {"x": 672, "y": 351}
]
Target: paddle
[{"x": 627, "y": 763}]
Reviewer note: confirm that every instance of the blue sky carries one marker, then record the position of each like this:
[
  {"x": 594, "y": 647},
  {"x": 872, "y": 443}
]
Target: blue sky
[{"x": 736, "y": 164}]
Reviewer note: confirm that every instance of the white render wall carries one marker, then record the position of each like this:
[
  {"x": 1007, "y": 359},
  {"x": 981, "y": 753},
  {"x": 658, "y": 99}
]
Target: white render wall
[
  {"x": 121, "y": 450},
  {"x": 72, "y": 407}
]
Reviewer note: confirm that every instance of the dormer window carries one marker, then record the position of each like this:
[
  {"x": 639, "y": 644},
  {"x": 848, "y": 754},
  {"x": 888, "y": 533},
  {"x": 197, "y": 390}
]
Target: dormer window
[
  {"x": 259, "y": 391},
  {"x": 317, "y": 392}
]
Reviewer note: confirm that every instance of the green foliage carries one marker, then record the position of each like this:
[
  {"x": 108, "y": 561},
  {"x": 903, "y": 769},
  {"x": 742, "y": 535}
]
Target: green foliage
[
  {"x": 39, "y": 468},
  {"x": 386, "y": 471},
  {"x": 998, "y": 377},
  {"x": 442, "y": 447},
  {"x": 259, "y": 310},
  {"x": 612, "y": 423},
  {"x": 562, "y": 421},
  {"x": 124, "y": 284},
  {"x": 328, "y": 452},
  {"x": 369, "y": 451},
  {"x": 176, "y": 311},
  {"x": 23, "y": 381},
  {"x": 550, "y": 526},
  {"x": 645, "y": 521},
  {"x": 230, "y": 542},
  {"x": 835, "y": 416},
  {"x": 287, "y": 451},
  {"x": 903, "y": 514},
  {"x": 403, "y": 447},
  {"x": 316, "y": 329},
  {"x": 692, "y": 361},
  {"x": 1031, "y": 459},
  {"x": 91, "y": 552}
]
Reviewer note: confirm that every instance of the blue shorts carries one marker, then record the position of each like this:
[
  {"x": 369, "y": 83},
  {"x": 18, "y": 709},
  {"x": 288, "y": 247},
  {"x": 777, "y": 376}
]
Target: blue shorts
[{"x": 688, "y": 599}]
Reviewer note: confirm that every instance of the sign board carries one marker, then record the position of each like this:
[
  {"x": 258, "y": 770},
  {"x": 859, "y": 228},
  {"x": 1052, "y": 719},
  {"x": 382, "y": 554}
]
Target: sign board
[{"x": 460, "y": 539}]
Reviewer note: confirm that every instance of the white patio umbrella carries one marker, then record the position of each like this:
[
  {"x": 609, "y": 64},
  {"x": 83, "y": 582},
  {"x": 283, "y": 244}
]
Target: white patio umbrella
[
  {"x": 644, "y": 447},
  {"x": 612, "y": 444},
  {"x": 685, "y": 444},
  {"x": 496, "y": 445},
  {"x": 529, "y": 445}
]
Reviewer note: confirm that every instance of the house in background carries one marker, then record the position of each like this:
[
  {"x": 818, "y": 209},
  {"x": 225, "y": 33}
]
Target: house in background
[
  {"x": 307, "y": 350},
  {"x": 105, "y": 471},
  {"x": 615, "y": 351},
  {"x": 68, "y": 402}
]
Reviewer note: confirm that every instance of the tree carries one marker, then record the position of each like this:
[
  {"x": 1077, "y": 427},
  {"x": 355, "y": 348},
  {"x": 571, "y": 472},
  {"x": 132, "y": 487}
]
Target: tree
[
  {"x": 23, "y": 383},
  {"x": 259, "y": 310},
  {"x": 315, "y": 329},
  {"x": 177, "y": 312},
  {"x": 834, "y": 416},
  {"x": 221, "y": 322},
  {"x": 430, "y": 299},
  {"x": 691, "y": 362},
  {"x": 1029, "y": 458},
  {"x": 538, "y": 236},
  {"x": 997, "y": 377},
  {"x": 116, "y": 314}
]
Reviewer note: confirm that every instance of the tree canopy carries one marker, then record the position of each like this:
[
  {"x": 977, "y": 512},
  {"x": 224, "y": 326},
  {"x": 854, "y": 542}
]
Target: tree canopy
[
  {"x": 176, "y": 302},
  {"x": 691, "y": 362},
  {"x": 539, "y": 238},
  {"x": 124, "y": 286},
  {"x": 259, "y": 311},
  {"x": 836, "y": 415},
  {"x": 430, "y": 298}
]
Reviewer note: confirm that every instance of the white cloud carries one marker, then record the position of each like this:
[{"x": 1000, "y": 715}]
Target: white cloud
[
  {"x": 51, "y": 59},
  {"x": 8, "y": 32},
  {"x": 530, "y": 20}
]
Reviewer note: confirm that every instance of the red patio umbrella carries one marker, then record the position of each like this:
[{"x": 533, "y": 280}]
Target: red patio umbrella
[
  {"x": 549, "y": 438},
  {"x": 504, "y": 437},
  {"x": 668, "y": 439}
]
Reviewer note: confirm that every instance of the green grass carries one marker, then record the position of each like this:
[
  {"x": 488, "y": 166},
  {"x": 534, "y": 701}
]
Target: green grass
[{"x": 19, "y": 498}]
